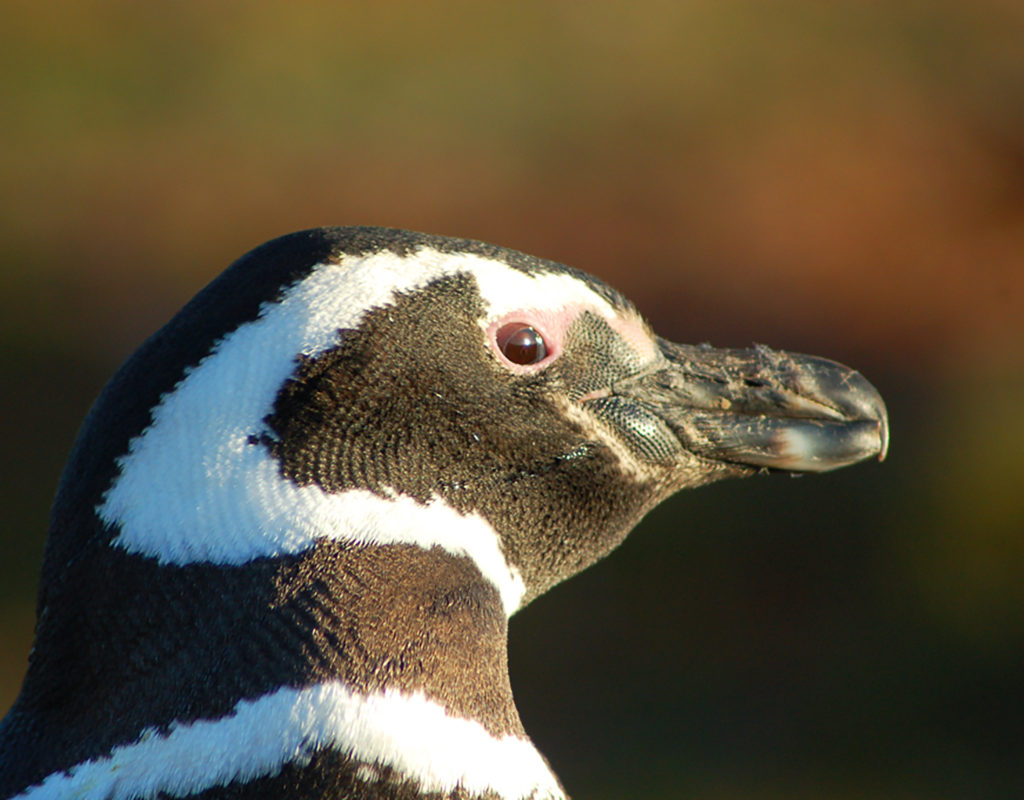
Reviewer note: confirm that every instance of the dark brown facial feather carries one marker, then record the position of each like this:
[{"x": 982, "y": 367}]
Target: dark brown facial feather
[{"x": 386, "y": 411}]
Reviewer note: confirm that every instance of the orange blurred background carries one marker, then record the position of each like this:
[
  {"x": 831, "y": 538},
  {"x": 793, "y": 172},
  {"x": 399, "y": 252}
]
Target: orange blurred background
[{"x": 841, "y": 178}]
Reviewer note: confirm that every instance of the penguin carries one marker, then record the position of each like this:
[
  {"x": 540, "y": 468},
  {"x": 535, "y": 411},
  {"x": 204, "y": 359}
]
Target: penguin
[{"x": 293, "y": 527}]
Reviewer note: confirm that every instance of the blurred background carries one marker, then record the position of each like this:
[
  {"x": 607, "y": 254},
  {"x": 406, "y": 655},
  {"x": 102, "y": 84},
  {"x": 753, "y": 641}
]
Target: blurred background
[{"x": 841, "y": 178}]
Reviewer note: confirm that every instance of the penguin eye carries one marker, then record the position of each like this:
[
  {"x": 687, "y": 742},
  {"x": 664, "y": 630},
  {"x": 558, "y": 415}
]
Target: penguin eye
[{"x": 522, "y": 344}]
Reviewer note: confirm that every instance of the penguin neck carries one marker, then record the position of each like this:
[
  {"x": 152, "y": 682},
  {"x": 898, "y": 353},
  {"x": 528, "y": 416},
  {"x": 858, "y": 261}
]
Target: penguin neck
[
  {"x": 372, "y": 669},
  {"x": 394, "y": 619},
  {"x": 401, "y": 618},
  {"x": 407, "y": 691}
]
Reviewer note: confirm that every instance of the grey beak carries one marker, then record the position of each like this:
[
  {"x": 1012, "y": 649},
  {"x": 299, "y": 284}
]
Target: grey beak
[{"x": 763, "y": 407}]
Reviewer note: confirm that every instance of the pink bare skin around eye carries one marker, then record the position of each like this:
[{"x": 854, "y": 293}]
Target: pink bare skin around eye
[{"x": 553, "y": 324}]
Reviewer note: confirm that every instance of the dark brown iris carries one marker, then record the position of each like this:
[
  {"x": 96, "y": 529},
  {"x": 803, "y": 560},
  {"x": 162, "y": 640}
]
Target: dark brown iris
[{"x": 523, "y": 345}]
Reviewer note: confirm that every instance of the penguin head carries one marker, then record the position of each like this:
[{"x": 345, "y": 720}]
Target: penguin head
[
  {"x": 293, "y": 525},
  {"x": 374, "y": 386}
]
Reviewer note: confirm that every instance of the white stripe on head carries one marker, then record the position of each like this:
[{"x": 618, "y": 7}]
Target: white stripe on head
[
  {"x": 505, "y": 289},
  {"x": 410, "y": 734},
  {"x": 193, "y": 489}
]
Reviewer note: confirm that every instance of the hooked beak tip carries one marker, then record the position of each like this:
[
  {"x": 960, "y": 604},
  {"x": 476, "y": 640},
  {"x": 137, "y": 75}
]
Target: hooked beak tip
[{"x": 883, "y": 437}]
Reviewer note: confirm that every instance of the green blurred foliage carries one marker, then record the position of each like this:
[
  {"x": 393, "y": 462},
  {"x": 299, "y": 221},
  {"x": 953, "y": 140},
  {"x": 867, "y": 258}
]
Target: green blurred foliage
[{"x": 844, "y": 178}]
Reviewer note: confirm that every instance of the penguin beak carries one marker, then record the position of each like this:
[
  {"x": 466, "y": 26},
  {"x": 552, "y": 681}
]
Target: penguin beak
[{"x": 762, "y": 407}]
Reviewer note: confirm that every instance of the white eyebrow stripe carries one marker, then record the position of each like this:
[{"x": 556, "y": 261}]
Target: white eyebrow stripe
[{"x": 192, "y": 488}]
